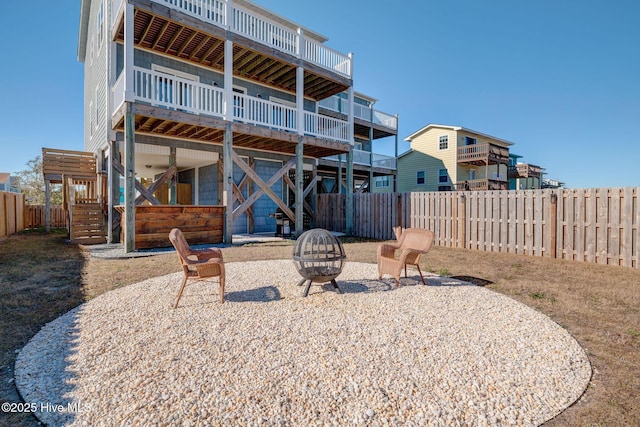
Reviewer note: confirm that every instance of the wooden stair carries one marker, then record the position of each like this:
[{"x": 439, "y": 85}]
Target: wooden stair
[{"x": 87, "y": 224}]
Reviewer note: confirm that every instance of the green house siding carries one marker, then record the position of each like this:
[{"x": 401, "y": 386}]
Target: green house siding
[{"x": 411, "y": 163}]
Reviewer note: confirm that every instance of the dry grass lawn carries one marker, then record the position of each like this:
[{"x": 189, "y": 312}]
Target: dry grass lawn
[{"x": 42, "y": 277}]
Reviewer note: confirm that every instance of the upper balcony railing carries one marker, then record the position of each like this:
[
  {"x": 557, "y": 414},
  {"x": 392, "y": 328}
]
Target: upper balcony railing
[
  {"x": 367, "y": 158},
  {"x": 341, "y": 105},
  {"x": 483, "y": 152},
  {"x": 482, "y": 185},
  {"x": 524, "y": 170},
  {"x": 166, "y": 90},
  {"x": 261, "y": 29}
]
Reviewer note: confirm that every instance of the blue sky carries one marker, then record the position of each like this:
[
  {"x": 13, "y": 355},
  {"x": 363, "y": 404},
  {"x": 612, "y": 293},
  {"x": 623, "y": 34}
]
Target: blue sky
[{"x": 559, "y": 78}]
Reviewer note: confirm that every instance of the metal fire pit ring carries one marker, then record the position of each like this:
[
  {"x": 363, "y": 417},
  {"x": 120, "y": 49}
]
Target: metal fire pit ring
[{"x": 319, "y": 258}]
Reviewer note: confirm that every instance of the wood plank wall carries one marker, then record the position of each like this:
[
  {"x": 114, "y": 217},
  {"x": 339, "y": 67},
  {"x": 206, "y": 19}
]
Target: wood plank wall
[
  {"x": 34, "y": 216},
  {"x": 593, "y": 225},
  {"x": 11, "y": 213},
  {"x": 199, "y": 224}
]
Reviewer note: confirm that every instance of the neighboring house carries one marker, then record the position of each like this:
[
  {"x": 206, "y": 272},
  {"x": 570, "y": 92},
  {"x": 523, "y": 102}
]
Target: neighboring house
[
  {"x": 383, "y": 184},
  {"x": 8, "y": 183},
  {"x": 446, "y": 158},
  {"x": 369, "y": 125},
  {"x": 552, "y": 183},
  {"x": 523, "y": 176},
  {"x": 250, "y": 108}
]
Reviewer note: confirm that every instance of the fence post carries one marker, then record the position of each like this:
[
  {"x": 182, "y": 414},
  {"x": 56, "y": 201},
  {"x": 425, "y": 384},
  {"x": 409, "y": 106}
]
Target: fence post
[
  {"x": 553, "y": 224},
  {"x": 462, "y": 222}
]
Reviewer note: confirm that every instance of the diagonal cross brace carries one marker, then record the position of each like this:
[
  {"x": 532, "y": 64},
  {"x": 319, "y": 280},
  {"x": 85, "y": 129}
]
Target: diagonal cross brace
[
  {"x": 146, "y": 193},
  {"x": 263, "y": 187}
]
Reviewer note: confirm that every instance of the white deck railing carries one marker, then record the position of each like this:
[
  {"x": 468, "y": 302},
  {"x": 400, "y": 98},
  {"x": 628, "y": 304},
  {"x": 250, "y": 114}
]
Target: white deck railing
[
  {"x": 169, "y": 91},
  {"x": 367, "y": 158},
  {"x": 326, "y": 127},
  {"x": 257, "y": 111},
  {"x": 382, "y": 161},
  {"x": 177, "y": 93},
  {"x": 256, "y": 27},
  {"x": 326, "y": 57},
  {"x": 211, "y": 11},
  {"x": 341, "y": 105},
  {"x": 117, "y": 93},
  {"x": 264, "y": 31}
]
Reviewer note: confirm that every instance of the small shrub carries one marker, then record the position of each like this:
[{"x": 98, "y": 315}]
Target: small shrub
[{"x": 443, "y": 272}]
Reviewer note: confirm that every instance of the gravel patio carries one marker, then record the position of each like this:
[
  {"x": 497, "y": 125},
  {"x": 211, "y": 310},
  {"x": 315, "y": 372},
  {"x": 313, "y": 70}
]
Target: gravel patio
[{"x": 450, "y": 353}]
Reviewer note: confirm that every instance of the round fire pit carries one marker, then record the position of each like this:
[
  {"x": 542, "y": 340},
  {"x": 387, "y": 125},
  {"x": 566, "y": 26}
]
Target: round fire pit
[{"x": 319, "y": 258}]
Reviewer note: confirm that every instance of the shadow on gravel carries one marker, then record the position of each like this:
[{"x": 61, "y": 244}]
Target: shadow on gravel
[
  {"x": 475, "y": 280},
  {"x": 388, "y": 284},
  {"x": 263, "y": 294}
]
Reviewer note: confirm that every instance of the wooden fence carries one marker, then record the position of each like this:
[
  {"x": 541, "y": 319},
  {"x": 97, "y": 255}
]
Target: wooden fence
[
  {"x": 593, "y": 225},
  {"x": 34, "y": 216},
  {"x": 11, "y": 213}
]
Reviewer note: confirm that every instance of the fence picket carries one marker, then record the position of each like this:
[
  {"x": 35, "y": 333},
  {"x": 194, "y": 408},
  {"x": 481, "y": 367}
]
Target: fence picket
[
  {"x": 602, "y": 227},
  {"x": 614, "y": 227},
  {"x": 595, "y": 225},
  {"x": 590, "y": 225},
  {"x": 627, "y": 227}
]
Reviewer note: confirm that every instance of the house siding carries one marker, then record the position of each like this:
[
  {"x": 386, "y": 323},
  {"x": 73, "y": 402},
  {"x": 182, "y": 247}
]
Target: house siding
[
  {"x": 96, "y": 111},
  {"x": 410, "y": 164},
  {"x": 208, "y": 185},
  {"x": 145, "y": 59},
  {"x": 428, "y": 156}
]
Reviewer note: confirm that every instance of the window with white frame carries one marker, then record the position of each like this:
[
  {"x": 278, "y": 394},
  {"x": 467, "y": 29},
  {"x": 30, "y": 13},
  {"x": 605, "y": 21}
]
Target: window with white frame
[
  {"x": 444, "y": 142},
  {"x": 382, "y": 181},
  {"x": 92, "y": 116},
  {"x": 443, "y": 175},
  {"x": 97, "y": 108},
  {"x": 421, "y": 177},
  {"x": 469, "y": 141},
  {"x": 100, "y": 25}
]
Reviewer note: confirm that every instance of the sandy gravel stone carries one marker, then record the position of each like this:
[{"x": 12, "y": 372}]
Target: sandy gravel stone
[{"x": 449, "y": 353}]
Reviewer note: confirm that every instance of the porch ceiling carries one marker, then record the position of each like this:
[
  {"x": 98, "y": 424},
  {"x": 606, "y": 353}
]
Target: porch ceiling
[
  {"x": 203, "y": 44},
  {"x": 161, "y": 122}
]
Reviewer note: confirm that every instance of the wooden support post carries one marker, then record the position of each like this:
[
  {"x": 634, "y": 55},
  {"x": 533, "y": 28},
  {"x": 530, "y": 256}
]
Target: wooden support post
[
  {"x": 220, "y": 185},
  {"x": 553, "y": 225},
  {"x": 371, "y": 149},
  {"x": 173, "y": 179},
  {"x": 349, "y": 201},
  {"x": 47, "y": 206},
  {"x": 129, "y": 181},
  {"x": 314, "y": 196},
  {"x": 338, "y": 186},
  {"x": 228, "y": 183},
  {"x": 395, "y": 175},
  {"x": 462, "y": 223},
  {"x": 128, "y": 51},
  {"x": 299, "y": 208},
  {"x": 251, "y": 210},
  {"x": 114, "y": 190},
  {"x": 228, "y": 78}
]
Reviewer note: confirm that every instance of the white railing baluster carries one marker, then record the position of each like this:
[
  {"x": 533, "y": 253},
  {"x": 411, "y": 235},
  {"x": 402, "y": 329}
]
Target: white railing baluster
[
  {"x": 326, "y": 127},
  {"x": 177, "y": 93},
  {"x": 262, "y": 30}
]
